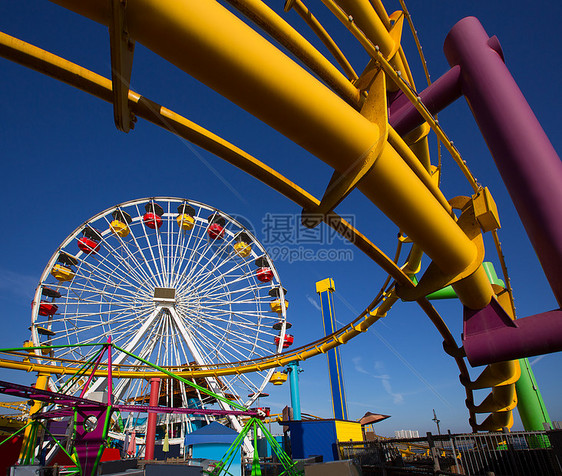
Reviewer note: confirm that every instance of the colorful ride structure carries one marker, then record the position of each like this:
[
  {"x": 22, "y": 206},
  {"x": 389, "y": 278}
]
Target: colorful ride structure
[
  {"x": 166, "y": 279},
  {"x": 372, "y": 130},
  {"x": 91, "y": 421}
]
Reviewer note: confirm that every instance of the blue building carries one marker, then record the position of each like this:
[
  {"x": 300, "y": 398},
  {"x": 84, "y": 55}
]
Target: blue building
[{"x": 212, "y": 442}]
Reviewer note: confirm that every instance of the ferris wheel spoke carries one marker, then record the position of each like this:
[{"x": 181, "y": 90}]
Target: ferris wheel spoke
[
  {"x": 178, "y": 255},
  {"x": 105, "y": 267},
  {"x": 219, "y": 312},
  {"x": 194, "y": 235},
  {"x": 248, "y": 345},
  {"x": 105, "y": 329},
  {"x": 214, "y": 314},
  {"x": 133, "y": 240},
  {"x": 142, "y": 270},
  {"x": 83, "y": 281},
  {"x": 227, "y": 285},
  {"x": 115, "y": 314},
  {"x": 219, "y": 336},
  {"x": 161, "y": 255},
  {"x": 75, "y": 290},
  {"x": 130, "y": 345},
  {"x": 220, "y": 353},
  {"x": 158, "y": 274},
  {"x": 248, "y": 384},
  {"x": 197, "y": 265},
  {"x": 208, "y": 279},
  {"x": 100, "y": 336},
  {"x": 203, "y": 274},
  {"x": 195, "y": 352},
  {"x": 203, "y": 271},
  {"x": 118, "y": 260}
]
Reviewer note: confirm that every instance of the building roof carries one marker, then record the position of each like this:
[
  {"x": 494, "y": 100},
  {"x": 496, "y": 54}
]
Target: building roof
[{"x": 212, "y": 433}]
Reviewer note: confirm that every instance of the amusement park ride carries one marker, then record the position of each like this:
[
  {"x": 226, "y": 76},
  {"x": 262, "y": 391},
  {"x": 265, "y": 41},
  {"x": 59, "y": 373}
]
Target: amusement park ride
[{"x": 188, "y": 295}]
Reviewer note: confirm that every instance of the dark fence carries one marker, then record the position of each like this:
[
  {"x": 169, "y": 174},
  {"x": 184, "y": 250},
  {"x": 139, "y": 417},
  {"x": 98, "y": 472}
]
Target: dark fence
[{"x": 486, "y": 454}]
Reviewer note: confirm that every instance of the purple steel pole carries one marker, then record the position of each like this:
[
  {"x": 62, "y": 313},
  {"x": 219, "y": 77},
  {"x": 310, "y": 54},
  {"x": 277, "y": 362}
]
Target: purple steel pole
[
  {"x": 525, "y": 158},
  {"x": 490, "y": 335},
  {"x": 404, "y": 117}
]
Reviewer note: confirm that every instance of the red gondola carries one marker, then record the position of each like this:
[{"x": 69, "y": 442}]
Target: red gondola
[
  {"x": 153, "y": 216},
  {"x": 265, "y": 275},
  {"x": 216, "y": 226},
  {"x": 215, "y": 231},
  {"x": 88, "y": 245},
  {"x": 47, "y": 309},
  {"x": 151, "y": 220},
  {"x": 288, "y": 341}
]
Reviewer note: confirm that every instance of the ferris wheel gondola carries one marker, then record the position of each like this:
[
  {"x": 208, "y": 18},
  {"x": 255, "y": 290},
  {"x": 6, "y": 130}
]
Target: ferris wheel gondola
[{"x": 172, "y": 281}]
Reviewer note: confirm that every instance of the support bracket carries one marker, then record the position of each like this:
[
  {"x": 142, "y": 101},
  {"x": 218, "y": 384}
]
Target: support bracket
[
  {"x": 341, "y": 184},
  {"x": 122, "y": 49},
  {"x": 434, "y": 279}
]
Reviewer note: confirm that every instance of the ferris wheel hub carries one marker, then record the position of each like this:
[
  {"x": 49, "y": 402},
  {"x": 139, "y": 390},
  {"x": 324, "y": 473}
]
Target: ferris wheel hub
[{"x": 165, "y": 295}]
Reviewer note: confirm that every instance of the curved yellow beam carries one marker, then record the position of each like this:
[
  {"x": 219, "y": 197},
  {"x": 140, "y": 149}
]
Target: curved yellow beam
[
  {"x": 92, "y": 83},
  {"x": 273, "y": 24},
  {"x": 205, "y": 39}
]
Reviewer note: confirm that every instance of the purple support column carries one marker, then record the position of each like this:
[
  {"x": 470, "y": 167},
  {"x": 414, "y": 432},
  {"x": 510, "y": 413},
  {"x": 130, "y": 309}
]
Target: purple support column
[
  {"x": 490, "y": 335},
  {"x": 404, "y": 117},
  {"x": 525, "y": 158}
]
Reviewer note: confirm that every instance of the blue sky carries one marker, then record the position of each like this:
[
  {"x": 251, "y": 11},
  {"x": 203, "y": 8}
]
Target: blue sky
[{"x": 64, "y": 161}]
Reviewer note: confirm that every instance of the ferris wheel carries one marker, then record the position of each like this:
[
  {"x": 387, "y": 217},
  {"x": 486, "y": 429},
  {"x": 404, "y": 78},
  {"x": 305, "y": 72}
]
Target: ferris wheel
[{"x": 172, "y": 281}]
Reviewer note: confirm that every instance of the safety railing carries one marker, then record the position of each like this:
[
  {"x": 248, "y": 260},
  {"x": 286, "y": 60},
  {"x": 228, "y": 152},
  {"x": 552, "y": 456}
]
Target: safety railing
[{"x": 498, "y": 454}]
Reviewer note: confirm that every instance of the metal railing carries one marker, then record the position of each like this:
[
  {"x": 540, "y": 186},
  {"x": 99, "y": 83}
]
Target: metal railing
[{"x": 486, "y": 454}]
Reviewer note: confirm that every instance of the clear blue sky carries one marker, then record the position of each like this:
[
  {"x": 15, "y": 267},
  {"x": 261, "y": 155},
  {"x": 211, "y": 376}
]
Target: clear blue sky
[{"x": 63, "y": 161}]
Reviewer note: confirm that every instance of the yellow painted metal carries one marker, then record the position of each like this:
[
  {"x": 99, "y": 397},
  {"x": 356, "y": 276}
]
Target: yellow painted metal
[
  {"x": 319, "y": 30},
  {"x": 418, "y": 168},
  {"x": 301, "y": 97},
  {"x": 62, "y": 273},
  {"x": 325, "y": 285},
  {"x": 41, "y": 384},
  {"x": 405, "y": 199},
  {"x": 269, "y": 21},
  {"x": 496, "y": 421},
  {"x": 472, "y": 284},
  {"x": 28, "y": 344},
  {"x": 436, "y": 234},
  {"x": 418, "y": 143},
  {"x": 486, "y": 210},
  {"x": 413, "y": 263},
  {"x": 501, "y": 373},
  {"x": 276, "y": 306},
  {"x": 299, "y": 106},
  {"x": 348, "y": 430},
  {"x": 205, "y": 39},
  {"x": 296, "y": 105},
  {"x": 242, "y": 249},
  {"x": 185, "y": 221},
  {"x": 119, "y": 228},
  {"x": 122, "y": 48},
  {"x": 359, "y": 15},
  {"x": 342, "y": 183},
  {"x": 278, "y": 378},
  {"x": 501, "y": 399},
  {"x": 92, "y": 83}
]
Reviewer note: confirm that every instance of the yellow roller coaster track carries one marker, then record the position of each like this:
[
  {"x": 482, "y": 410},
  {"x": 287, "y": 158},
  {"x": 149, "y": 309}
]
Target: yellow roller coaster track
[{"x": 388, "y": 58}]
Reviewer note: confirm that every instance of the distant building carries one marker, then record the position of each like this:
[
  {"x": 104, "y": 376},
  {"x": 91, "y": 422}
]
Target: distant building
[{"x": 406, "y": 434}]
